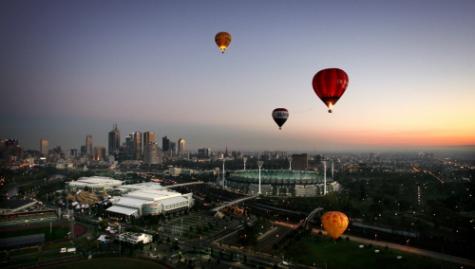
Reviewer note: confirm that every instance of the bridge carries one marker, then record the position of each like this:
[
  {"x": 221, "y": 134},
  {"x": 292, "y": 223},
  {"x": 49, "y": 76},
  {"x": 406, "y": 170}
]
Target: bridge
[
  {"x": 310, "y": 216},
  {"x": 183, "y": 184},
  {"x": 230, "y": 203}
]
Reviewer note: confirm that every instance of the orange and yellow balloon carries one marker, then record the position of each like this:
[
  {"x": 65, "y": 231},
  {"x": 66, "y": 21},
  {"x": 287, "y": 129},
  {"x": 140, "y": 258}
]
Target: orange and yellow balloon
[
  {"x": 223, "y": 39},
  {"x": 334, "y": 223}
]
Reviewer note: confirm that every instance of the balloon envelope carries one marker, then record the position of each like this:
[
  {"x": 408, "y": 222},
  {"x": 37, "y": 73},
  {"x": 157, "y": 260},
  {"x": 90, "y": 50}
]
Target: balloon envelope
[
  {"x": 329, "y": 85},
  {"x": 334, "y": 223},
  {"x": 222, "y": 39},
  {"x": 280, "y": 116}
]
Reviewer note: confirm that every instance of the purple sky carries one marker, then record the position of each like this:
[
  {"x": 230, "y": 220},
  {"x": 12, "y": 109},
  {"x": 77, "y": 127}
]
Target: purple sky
[{"x": 70, "y": 68}]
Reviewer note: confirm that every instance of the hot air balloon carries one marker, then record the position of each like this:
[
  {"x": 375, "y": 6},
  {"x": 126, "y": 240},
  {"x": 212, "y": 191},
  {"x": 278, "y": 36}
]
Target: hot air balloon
[
  {"x": 334, "y": 223},
  {"x": 280, "y": 116},
  {"x": 222, "y": 39},
  {"x": 330, "y": 84}
]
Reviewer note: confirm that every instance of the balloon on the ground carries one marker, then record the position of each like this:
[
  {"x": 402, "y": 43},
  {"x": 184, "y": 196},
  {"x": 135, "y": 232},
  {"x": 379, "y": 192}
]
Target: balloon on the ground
[
  {"x": 280, "y": 116},
  {"x": 223, "y": 39},
  {"x": 329, "y": 85},
  {"x": 334, "y": 223}
]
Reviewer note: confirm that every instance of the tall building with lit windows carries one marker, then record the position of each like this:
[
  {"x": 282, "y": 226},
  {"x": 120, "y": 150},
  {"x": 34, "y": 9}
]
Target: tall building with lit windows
[{"x": 44, "y": 147}]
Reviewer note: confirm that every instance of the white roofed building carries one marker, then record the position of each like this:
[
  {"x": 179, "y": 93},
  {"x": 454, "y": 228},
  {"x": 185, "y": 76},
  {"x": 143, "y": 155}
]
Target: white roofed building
[
  {"x": 94, "y": 183},
  {"x": 148, "y": 199}
]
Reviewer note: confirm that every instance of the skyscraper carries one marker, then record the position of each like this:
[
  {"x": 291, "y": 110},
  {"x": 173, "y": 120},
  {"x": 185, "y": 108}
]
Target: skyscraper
[
  {"x": 114, "y": 141},
  {"x": 89, "y": 151},
  {"x": 151, "y": 153},
  {"x": 99, "y": 153},
  {"x": 137, "y": 150},
  {"x": 181, "y": 146},
  {"x": 300, "y": 161},
  {"x": 204, "y": 152},
  {"x": 149, "y": 137},
  {"x": 44, "y": 147},
  {"x": 165, "y": 144},
  {"x": 172, "y": 148}
]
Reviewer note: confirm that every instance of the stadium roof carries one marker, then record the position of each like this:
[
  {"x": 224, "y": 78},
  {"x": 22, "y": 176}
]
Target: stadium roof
[
  {"x": 131, "y": 202},
  {"x": 95, "y": 180},
  {"x": 122, "y": 210},
  {"x": 152, "y": 195},
  {"x": 271, "y": 174},
  {"x": 174, "y": 200}
]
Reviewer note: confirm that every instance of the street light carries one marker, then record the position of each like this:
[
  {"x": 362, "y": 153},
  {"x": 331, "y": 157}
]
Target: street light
[
  {"x": 259, "y": 164},
  {"x": 224, "y": 173}
]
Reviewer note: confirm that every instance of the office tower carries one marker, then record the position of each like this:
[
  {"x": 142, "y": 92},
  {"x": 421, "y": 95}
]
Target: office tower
[
  {"x": 300, "y": 161},
  {"x": 10, "y": 149},
  {"x": 83, "y": 150},
  {"x": 165, "y": 144},
  {"x": 204, "y": 152},
  {"x": 137, "y": 149},
  {"x": 149, "y": 137},
  {"x": 128, "y": 148},
  {"x": 89, "y": 151},
  {"x": 73, "y": 153},
  {"x": 44, "y": 147},
  {"x": 172, "y": 148},
  {"x": 99, "y": 153},
  {"x": 114, "y": 141},
  {"x": 151, "y": 153},
  {"x": 181, "y": 146}
]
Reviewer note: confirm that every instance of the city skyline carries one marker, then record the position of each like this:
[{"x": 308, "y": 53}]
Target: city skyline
[{"x": 154, "y": 66}]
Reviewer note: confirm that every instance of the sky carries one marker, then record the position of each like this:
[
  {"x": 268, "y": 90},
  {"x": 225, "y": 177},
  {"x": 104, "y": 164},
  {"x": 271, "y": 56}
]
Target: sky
[{"x": 72, "y": 68}]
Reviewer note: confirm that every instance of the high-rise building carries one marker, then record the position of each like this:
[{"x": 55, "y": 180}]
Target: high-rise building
[
  {"x": 10, "y": 149},
  {"x": 73, "y": 153},
  {"x": 99, "y": 153},
  {"x": 44, "y": 147},
  {"x": 165, "y": 144},
  {"x": 137, "y": 149},
  {"x": 83, "y": 151},
  {"x": 151, "y": 153},
  {"x": 181, "y": 146},
  {"x": 300, "y": 161},
  {"x": 149, "y": 137},
  {"x": 89, "y": 148},
  {"x": 114, "y": 141},
  {"x": 204, "y": 152},
  {"x": 172, "y": 148}
]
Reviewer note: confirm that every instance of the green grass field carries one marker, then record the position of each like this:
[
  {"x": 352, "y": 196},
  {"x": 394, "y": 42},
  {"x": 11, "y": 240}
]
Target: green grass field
[
  {"x": 345, "y": 254},
  {"x": 116, "y": 263}
]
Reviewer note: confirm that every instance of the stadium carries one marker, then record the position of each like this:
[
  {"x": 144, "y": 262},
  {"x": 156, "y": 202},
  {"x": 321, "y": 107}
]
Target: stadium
[
  {"x": 94, "y": 183},
  {"x": 296, "y": 183},
  {"x": 148, "y": 199}
]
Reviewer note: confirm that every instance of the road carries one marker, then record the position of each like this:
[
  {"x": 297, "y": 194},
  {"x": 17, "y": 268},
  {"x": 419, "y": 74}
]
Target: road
[{"x": 408, "y": 249}]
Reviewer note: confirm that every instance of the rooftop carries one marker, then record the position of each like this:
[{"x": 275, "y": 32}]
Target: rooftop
[
  {"x": 277, "y": 174},
  {"x": 96, "y": 180}
]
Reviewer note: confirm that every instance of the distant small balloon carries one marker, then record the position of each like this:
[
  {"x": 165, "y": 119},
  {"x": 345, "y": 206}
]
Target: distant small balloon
[
  {"x": 329, "y": 85},
  {"x": 223, "y": 39},
  {"x": 334, "y": 223},
  {"x": 280, "y": 116}
]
